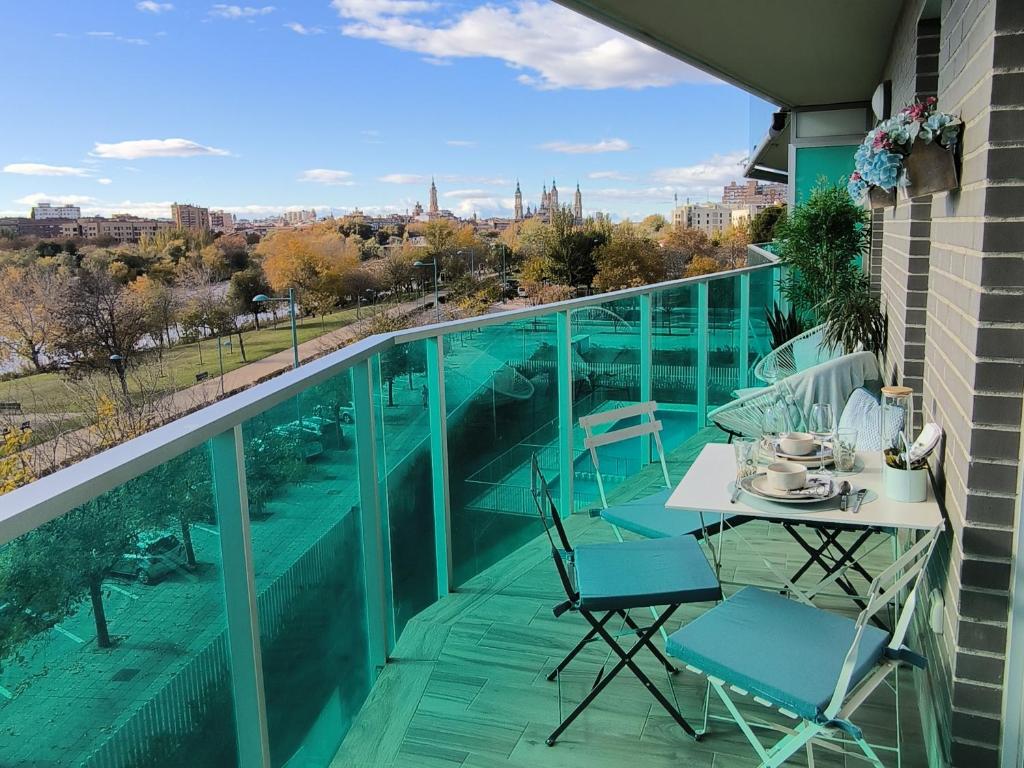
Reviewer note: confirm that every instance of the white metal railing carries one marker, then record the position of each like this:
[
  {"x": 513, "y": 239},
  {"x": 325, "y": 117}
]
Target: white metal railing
[{"x": 219, "y": 424}]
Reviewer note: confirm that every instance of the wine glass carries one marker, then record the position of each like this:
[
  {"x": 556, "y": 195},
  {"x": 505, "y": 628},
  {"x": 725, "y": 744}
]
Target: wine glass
[
  {"x": 821, "y": 424},
  {"x": 776, "y": 422}
]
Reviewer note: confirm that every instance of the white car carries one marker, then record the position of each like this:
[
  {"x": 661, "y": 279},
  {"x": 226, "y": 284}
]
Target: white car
[{"x": 154, "y": 557}]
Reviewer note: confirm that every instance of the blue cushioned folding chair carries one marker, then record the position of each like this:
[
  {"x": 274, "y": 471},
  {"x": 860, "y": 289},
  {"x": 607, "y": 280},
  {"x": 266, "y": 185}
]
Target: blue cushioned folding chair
[
  {"x": 646, "y": 516},
  {"x": 605, "y": 581},
  {"x": 813, "y": 666}
]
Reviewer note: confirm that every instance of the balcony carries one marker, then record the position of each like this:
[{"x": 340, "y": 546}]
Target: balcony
[{"x": 370, "y": 578}]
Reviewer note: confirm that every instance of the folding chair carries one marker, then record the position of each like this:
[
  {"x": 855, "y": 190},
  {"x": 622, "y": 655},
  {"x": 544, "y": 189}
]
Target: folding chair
[
  {"x": 814, "y": 666},
  {"x": 646, "y": 516},
  {"x": 605, "y": 581}
]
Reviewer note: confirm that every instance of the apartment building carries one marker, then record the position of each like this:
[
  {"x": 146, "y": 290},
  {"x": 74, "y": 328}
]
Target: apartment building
[
  {"x": 753, "y": 193},
  {"x": 222, "y": 221},
  {"x": 713, "y": 218},
  {"x": 299, "y": 217},
  {"x": 50, "y": 211},
  {"x": 122, "y": 227},
  {"x": 190, "y": 216}
]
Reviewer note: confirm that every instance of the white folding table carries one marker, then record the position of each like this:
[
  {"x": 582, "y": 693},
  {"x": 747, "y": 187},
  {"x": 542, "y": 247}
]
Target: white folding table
[{"x": 706, "y": 489}]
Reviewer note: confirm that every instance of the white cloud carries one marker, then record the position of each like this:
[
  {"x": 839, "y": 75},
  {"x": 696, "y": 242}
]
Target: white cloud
[
  {"x": 460, "y": 143},
  {"x": 553, "y": 46},
  {"x": 484, "y": 206},
  {"x": 469, "y": 194},
  {"x": 491, "y": 181},
  {"x": 100, "y": 34},
  {"x": 222, "y": 11},
  {"x": 42, "y": 197},
  {"x": 713, "y": 172},
  {"x": 615, "y": 175},
  {"x": 327, "y": 176},
  {"x": 104, "y": 182},
  {"x": 597, "y": 147},
  {"x": 402, "y": 178},
  {"x": 301, "y": 29},
  {"x": 42, "y": 169},
  {"x": 148, "y": 6},
  {"x": 118, "y": 38},
  {"x": 141, "y": 148}
]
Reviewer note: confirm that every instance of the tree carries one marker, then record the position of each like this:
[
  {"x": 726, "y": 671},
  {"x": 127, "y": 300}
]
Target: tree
[
  {"x": 29, "y": 296},
  {"x": 702, "y": 265},
  {"x": 440, "y": 236},
  {"x": 398, "y": 271},
  {"x": 683, "y": 244},
  {"x": 653, "y": 224},
  {"x": 161, "y": 306},
  {"x": 15, "y": 470},
  {"x": 762, "y": 226},
  {"x": 629, "y": 259},
  {"x": 245, "y": 286},
  {"x": 572, "y": 249},
  {"x": 101, "y": 324},
  {"x": 733, "y": 244}
]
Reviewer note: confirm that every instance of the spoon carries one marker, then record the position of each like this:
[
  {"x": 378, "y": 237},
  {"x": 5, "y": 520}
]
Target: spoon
[{"x": 844, "y": 494}]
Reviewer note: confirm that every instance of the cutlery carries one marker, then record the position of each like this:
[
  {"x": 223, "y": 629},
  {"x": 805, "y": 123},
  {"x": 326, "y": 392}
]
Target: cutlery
[
  {"x": 735, "y": 493},
  {"x": 844, "y": 495},
  {"x": 859, "y": 500}
]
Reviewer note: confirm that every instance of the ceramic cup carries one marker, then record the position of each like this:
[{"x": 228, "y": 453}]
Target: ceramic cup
[
  {"x": 787, "y": 475},
  {"x": 797, "y": 443}
]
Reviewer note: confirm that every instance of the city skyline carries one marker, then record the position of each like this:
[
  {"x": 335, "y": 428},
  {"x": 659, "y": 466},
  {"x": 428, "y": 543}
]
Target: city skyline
[{"x": 464, "y": 97}]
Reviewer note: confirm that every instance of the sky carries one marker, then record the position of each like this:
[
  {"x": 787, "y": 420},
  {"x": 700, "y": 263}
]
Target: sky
[{"x": 127, "y": 106}]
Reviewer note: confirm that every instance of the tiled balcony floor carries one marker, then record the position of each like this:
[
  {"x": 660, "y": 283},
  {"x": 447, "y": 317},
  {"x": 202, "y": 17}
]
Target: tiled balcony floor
[{"x": 467, "y": 685}]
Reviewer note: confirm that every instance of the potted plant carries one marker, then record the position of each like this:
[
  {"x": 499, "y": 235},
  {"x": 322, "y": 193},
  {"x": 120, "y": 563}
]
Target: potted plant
[{"x": 912, "y": 150}]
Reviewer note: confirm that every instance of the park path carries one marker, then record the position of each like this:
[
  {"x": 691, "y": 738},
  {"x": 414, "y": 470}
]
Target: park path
[{"x": 77, "y": 444}]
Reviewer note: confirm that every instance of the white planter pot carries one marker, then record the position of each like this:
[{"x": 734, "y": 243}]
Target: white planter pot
[{"x": 905, "y": 484}]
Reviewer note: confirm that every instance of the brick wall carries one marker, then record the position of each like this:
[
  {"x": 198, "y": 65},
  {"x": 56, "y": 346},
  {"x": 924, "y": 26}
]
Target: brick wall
[{"x": 952, "y": 277}]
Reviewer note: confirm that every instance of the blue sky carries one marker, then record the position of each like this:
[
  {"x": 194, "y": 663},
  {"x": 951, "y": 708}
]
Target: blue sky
[{"x": 127, "y": 106}]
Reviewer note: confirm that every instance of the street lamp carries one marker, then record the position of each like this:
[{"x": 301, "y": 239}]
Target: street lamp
[
  {"x": 262, "y": 298},
  {"x": 118, "y": 362},
  {"x": 437, "y": 307}
]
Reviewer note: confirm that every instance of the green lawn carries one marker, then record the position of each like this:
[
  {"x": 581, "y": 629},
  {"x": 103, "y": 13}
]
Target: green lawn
[{"x": 48, "y": 392}]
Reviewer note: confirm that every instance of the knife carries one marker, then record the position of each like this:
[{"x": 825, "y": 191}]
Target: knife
[{"x": 859, "y": 500}]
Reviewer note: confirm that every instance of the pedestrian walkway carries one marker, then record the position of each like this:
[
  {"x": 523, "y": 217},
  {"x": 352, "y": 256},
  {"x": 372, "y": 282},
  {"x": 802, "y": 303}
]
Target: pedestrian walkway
[{"x": 77, "y": 444}]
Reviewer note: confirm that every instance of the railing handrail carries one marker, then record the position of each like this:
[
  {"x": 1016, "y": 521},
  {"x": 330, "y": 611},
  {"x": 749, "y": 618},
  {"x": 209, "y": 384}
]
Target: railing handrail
[{"x": 55, "y": 494}]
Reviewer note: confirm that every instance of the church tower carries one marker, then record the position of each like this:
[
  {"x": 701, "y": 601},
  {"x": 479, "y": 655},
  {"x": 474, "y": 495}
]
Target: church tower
[
  {"x": 553, "y": 196},
  {"x": 577, "y": 204},
  {"x": 519, "y": 203},
  {"x": 433, "y": 209},
  {"x": 544, "y": 198}
]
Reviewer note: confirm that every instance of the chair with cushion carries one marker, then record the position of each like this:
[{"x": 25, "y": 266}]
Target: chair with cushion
[
  {"x": 604, "y": 582},
  {"x": 646, "y": 516},
  {"x": 832, "y": 382},
  {"x": 813, "y": 666}
]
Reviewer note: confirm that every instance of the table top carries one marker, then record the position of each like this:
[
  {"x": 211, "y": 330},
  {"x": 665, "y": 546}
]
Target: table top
[{"x": 705, "y": 488}]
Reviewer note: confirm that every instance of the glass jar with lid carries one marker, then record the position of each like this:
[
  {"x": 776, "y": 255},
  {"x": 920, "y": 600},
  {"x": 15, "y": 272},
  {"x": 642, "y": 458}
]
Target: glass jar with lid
[{"x": 897, "y": 424}]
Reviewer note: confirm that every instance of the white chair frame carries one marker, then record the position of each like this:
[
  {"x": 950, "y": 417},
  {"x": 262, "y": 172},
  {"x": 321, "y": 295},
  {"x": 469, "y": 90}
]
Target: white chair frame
[
  {"x": 886, "y": 588},
  {"x": 781, "y": 361}
]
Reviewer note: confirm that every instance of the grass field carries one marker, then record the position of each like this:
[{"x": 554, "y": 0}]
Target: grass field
[{"x": 49, "y": 393}]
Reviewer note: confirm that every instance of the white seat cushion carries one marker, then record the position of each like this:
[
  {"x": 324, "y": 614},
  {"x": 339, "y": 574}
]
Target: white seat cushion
[{"x": 863, "y": 412}]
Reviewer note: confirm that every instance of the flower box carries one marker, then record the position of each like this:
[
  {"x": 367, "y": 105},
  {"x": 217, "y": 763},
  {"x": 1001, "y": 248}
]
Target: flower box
[
  {"x": 912, "y": 150},
  {"x": 929, "y": 168}
]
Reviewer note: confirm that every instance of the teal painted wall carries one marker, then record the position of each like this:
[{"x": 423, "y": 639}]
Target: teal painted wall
[{"x": 812, "y": 163}]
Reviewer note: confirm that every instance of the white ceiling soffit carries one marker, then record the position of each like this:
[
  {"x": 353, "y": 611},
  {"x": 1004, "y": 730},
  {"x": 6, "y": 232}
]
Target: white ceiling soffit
[{"x": 789, "y": 52}]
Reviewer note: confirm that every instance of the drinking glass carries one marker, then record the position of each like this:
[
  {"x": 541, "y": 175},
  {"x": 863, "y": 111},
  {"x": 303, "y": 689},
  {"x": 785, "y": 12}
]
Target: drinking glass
[
  {"x": 746, "y": 450},
  {"x": 844, "y": 449},
  {"x": 776, "y": 422},
  {"x": 821, "y": 424}
]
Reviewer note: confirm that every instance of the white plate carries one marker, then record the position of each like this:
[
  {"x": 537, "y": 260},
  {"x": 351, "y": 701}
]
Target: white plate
[
  {"x": 757, "y": 485},
  {"x": 814, "y": 455}
]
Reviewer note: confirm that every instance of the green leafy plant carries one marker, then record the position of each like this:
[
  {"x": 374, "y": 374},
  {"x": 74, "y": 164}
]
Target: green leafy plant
[
  {"x": 820, "y": 242},
  {"x": 783, "y": 327},
  {"x": 854, "y": 317}
]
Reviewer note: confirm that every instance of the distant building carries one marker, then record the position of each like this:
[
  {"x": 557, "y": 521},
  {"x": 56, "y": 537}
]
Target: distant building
[
  {"x": 577, "y": 204},
  {"x": 222, "y": 221},
  {"x": 22, "y": 225},
  {"x": 712, "y": 218},
  {"x": 299, "y": 217},
  {"x": 433, "y": 209},
  {"x": 190, "y": 217},
  {"x": 48, "y": 211},
  {"x": 753, "y": 193},
  {"x": 121, "y": 227},
  {"x": 518, "y": 215}
]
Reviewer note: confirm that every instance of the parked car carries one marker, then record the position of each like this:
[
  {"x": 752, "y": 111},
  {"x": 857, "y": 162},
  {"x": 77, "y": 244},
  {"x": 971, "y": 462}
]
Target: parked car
[
  {"x": 309, "y": 433},
  {"x": 347, "y": 413},
  {"x": 154, "y": 557}
]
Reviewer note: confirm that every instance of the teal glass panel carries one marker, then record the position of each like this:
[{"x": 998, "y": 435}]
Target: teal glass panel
[
  {"x": 502, "y": 404},
  {"x": 821, "y": 165},
  {"x": 762, "y": 283},
  {"x": 723, "y": 339},
  {"x": 113, "y": 633},
  {"x": 307, "y": 553},
  {"x": 403, "y": 463},
  {"x": 606, "y": 375},
  {"x": 674, "y": 353}
]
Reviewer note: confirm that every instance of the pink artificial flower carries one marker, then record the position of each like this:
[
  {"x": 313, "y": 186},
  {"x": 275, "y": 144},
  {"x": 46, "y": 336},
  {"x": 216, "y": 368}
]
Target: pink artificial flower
[
  {"x": 855, "y": 176},
  {"x": 881, "y": 141}
]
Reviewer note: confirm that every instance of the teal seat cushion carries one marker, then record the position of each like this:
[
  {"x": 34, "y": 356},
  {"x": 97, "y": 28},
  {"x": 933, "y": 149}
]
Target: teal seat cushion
[
  {"x": 776, "y": 648},
  {"x": 649, "y": 517},
  {"x": 637, "y": 574}
]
